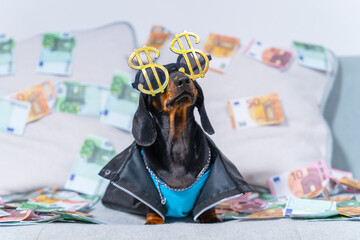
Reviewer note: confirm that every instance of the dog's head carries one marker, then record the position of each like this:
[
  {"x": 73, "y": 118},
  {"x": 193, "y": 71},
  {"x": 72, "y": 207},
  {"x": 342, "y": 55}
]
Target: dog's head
[{"x": 180, "y": 93}]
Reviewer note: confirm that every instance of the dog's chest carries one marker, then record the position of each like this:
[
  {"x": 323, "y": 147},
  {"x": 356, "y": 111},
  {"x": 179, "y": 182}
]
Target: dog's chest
[{"x": 178, "y": 177}]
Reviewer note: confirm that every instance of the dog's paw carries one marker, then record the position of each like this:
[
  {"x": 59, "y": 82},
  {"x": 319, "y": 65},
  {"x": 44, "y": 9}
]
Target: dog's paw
[
  {"x": 153, "y": 218},
  {"x": 209, "y": 217}
]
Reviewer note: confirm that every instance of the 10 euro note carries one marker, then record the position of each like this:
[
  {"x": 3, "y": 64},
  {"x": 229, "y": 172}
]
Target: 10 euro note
[
  {"x": 300, "y": 182},
  {"x": 56, "y": 55},
  {"x": 221, "y": 48},
  {"x": 41, "y": 97},
  {"x": 13, "y": 115},
  {"x": 121, "y": 103},
  {"x": 255, "y": 111},
  {"x": 272, "y": 56},
  {"x": 80, "y": 98},
  {"x": 94, "y": 154},
  {"x": 6, "y": 56}
]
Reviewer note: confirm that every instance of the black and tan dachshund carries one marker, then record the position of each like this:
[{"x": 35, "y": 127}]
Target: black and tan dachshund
[{"x": 166, "y": 126}]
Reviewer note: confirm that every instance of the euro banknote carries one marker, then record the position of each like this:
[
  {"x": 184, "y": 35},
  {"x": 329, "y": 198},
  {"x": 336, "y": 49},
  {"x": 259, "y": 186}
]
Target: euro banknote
[
  {"x": 6, "y": 55},
  {"x": 336, "y": 174},
  {"x": 158, "y": 36},
  {"x": 3, "y": 213},
  {"x": 68, "y": 216},
  {"x": 255, "y": 111},
  {"x": 300, "y": 182},
  {"x": 349, "y": 211},
  {"x": 121, "y": 103},
  {"x": 348, "y": 203},
  {"x": 270, "y": 55},
  {"x": 27, "y": 217},
  {"x": 80, "y": 98},
  {"x": 57, "y": 52},
  {"x": 312, "y": 56},
  {"x": 16, "y": 215},
  {"x": 95, "y": 153},
  {"x": 333, "y": 218},
  {"x": 13, "y": 115},
  {"x": 274, "y": 213},
  {"x": 45, "y": 203},
  {"x": 350, "y": 182},
  {"x": 335, "y": 186},
  {"x": 41, "y": 97},
  {"x": 309, "y": 208},
  {"x": 221, "y": 48}
]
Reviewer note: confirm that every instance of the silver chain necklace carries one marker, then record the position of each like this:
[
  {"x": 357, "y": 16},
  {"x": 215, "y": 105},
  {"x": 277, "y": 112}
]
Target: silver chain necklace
[{"x": 158, "y": 182}]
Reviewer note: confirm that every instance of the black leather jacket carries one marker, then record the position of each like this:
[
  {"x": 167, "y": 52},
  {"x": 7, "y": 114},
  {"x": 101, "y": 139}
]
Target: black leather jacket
[{"x": 131, "y": 188}]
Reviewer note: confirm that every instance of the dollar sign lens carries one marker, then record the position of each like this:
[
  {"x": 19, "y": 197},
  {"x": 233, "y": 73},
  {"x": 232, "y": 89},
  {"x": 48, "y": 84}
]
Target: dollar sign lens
[
  {"x": 146, "y": 80},
  {"x": 194, "y": 62}
]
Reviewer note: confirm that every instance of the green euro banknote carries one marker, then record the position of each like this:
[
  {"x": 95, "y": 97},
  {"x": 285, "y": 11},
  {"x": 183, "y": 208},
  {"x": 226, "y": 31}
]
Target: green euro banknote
[
  {"x": 333, "y": 218},
  {"x": 121, "y": 103},
  {"x": 80, "y": 98},
  {"x": 67, "y": 216},
  {"x": 312, "y": 56},
  {"x": 13, "y": 115},
  {"x": 309, "y": 208},
  {"x": 348, "y": 203},
  {"x": 57, "y": 52},
  {"x": 6, "y": 55},
  {"x": 38, "y": 207},
  {"x": 95, "y": 153}
]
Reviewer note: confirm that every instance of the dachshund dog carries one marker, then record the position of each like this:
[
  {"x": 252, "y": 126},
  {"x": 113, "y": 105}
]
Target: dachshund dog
[
  {"x": 173, "y": 143},
  {"x": 172, "y": 168}
]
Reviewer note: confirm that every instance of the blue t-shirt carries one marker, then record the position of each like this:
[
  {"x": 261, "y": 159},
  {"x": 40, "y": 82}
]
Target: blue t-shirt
[{"x": 180, "y": 203}]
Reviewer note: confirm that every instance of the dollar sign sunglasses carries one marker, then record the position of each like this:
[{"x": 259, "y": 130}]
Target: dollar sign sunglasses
[{"x": 192, "y": 62}]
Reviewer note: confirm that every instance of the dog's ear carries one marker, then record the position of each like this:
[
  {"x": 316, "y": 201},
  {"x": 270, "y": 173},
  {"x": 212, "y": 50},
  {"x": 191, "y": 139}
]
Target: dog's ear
[
  {"x": 205, "y": 122},
  {"x": 143, "y": 128}
]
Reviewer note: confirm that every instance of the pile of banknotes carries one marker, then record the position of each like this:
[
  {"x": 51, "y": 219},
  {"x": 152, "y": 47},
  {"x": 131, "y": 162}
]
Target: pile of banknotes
[
  {"x": 81, "y": 192},
  {"x": 314, "y": 192},
  {"x": 47, "y": 205}
]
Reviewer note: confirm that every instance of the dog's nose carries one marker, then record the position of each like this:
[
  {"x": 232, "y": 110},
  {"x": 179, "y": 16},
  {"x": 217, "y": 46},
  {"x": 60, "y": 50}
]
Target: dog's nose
[{"x": 182, "y": 82}]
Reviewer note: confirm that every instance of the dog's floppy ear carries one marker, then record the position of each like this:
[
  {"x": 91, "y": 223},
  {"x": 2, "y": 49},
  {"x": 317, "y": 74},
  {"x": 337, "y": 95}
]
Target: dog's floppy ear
[
  {"x": 205, "y": 122},
  {"x": 143, "y": 128}
]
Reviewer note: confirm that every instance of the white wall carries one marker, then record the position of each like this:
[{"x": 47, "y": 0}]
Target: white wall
[{"x": 332, "y": 23}]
